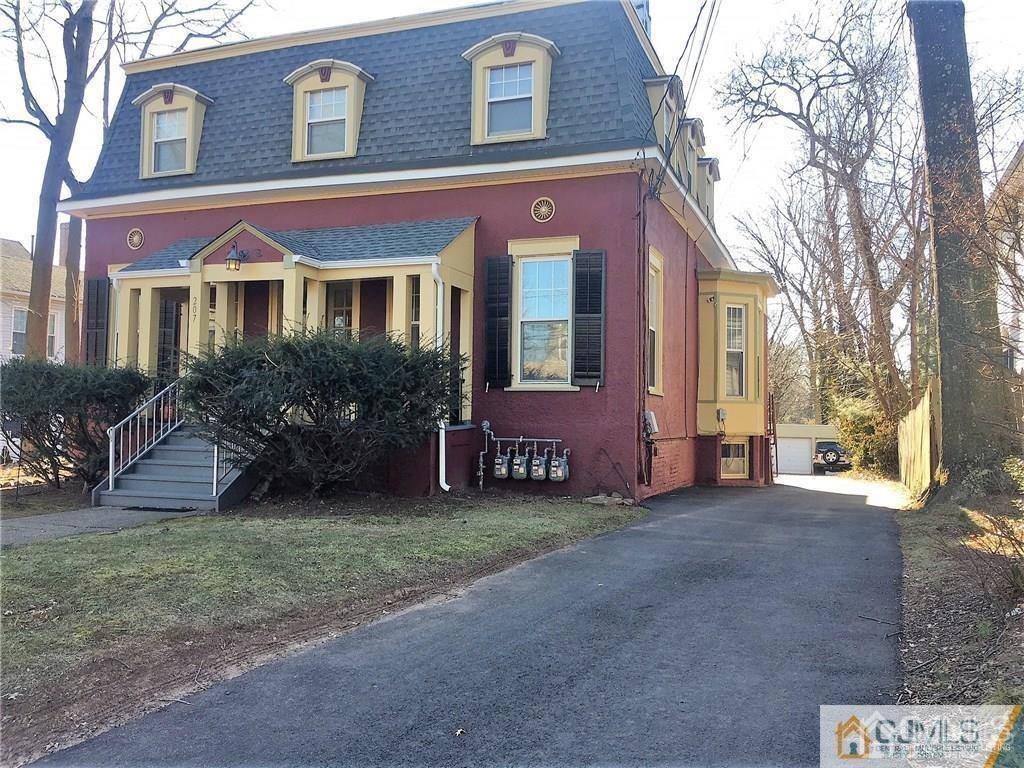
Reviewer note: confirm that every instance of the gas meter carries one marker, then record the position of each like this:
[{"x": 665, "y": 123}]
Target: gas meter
[
  {"x": 501, "y": 465},
  {"x": 558, "y": 470},
  {"x": 520, "y": 466},
  {"x": 539, "y": 465}
]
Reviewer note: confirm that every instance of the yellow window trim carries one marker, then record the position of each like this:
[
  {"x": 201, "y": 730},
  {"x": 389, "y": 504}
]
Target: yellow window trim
[
  {"x": 340, "y": 75},
  {"x": 154, "y": 101},
  {"x": 525, "y": 48},
  {"x": 538, "y": 247},
  {"x": 656, "y": 281}
]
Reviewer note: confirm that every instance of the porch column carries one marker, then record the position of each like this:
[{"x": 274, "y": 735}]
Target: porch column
[
  {"x": 149, "y": 323},
  {"x": 198, "y": 314},
  {"x": 428, "y": 308},
  {"x": 316, "y": 304},
  {"x": 223, "y": 325},
  {"x": 126, "y": 351},
  {"x": 399, "y": 324},
  {"x": 294, "y": 283}
]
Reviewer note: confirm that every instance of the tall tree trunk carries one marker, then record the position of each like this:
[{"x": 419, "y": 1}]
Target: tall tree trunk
[
  {"x": 974, "y": 399},
  {"x": 77, "y": 38}
]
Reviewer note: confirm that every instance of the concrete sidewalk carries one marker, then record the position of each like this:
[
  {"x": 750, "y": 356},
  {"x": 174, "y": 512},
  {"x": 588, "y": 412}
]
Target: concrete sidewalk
[{"x": 26, "y": 530}]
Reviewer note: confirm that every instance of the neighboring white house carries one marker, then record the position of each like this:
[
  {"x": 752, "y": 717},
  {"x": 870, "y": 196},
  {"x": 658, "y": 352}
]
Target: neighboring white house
[
  {"x": 15, "y": 282},
  {"x": 1006, "y": 219}
]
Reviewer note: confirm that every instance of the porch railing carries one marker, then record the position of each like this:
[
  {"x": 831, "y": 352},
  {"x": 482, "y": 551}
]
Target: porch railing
[{"x": 146, "y": 426}]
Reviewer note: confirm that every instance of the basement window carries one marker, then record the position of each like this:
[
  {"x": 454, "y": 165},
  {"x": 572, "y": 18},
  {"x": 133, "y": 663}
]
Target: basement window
[{"x": 734, "y": 460}]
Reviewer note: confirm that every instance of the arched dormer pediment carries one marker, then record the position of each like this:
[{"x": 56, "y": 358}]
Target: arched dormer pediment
[
  {"x": 511, "y": 81},
  {"x": 171, "y": 117},
  {"x": 327, "y": 109}
]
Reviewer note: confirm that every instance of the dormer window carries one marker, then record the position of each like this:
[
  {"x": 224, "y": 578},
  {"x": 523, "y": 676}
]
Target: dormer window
[
  {"x": 325, "y": 121},
  {"x": 172, "y": 125},
  {"x": 170, "y": 137},
  {"x": 511, "y": 79},
  {"x": 510, "y": 99},
  {"x": 327, "y": 109}
]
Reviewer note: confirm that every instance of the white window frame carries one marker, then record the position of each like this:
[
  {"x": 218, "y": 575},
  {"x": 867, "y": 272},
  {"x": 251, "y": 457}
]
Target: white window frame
[
  {"x": 745, "y": 474},
  {"x": 742, "y": 350},
  {"x": 488, "y": 100},
  {"x": 415, "y": 310},
  {"x": 51, "y": 320},
  {"x": 184, "y": 137},
  {"x": 14, "y": 329},
  {"x": 656, "y": 322},
  {"x": 307, "y": 122},
  {"x": 518, "y": 283}
]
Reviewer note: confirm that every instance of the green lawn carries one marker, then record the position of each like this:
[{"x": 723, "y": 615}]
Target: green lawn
[{"x": 70, "y": 601}]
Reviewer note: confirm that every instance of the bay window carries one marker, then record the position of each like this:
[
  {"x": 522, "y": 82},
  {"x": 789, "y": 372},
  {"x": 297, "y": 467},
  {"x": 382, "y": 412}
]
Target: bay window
[{"x": 735, "y": 350}]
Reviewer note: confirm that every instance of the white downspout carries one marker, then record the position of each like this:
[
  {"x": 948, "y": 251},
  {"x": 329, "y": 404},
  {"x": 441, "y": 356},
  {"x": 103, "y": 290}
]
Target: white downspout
[{"x": 442, "y": 471}]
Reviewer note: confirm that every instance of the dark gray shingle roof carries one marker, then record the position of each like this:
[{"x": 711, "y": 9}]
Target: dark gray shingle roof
[
  {"x": 168, "y": 257},
  {"x": 416, "y": 111},
  {"x": 405, "y": 239}
]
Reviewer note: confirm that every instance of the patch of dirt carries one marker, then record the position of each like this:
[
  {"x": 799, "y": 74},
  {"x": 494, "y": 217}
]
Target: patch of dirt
[
  {"x": 111, "y": 691},
  {"x": 957, "y": 644}
]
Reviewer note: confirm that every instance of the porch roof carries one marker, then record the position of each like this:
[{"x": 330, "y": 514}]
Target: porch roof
[{"x": 411, "y": 240}]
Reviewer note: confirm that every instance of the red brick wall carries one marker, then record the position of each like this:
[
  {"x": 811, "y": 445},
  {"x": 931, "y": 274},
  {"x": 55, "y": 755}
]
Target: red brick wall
[
  {"x": 674, "y": 463},
  {"x": 599, "y": 426}
]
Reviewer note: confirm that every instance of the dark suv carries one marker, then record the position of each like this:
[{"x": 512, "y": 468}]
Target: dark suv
[{"x": 830, "y": 456}]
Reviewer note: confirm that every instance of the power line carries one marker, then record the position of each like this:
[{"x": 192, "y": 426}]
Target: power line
[
  {"x": 715, "y": 12},
  {"x": 675, "y": 73}
]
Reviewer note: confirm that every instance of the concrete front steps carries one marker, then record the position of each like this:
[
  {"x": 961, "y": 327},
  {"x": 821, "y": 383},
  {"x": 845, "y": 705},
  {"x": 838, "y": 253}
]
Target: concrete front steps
[{"x": 177, "y": 473}]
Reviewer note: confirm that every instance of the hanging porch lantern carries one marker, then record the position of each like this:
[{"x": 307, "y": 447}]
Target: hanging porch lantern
[{"x": 233, "y": 261}]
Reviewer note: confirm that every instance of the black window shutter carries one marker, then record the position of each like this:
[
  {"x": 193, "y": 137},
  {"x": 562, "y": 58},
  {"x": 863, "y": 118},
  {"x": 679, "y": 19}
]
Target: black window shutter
[
  {"x": 498, "y": 328},
  {"x": 588, "y": 321},
  {"x": 97, "y": 306}
]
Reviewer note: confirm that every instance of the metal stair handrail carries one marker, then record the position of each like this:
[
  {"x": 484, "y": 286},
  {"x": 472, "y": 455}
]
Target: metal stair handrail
[{"x": 142, "y": 429}]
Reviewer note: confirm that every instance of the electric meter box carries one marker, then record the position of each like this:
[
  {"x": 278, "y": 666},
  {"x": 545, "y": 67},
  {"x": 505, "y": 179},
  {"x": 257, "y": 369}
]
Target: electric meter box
[
  {"x": 558, "y": 469},
  {"x": 501, "y": 467},
  {"x": 520, "y": 467},
  {"x": 539, "y": 467}
]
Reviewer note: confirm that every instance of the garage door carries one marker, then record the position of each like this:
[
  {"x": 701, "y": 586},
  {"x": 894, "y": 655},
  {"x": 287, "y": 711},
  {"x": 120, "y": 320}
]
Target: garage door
[{"x": 795, "y": 456}]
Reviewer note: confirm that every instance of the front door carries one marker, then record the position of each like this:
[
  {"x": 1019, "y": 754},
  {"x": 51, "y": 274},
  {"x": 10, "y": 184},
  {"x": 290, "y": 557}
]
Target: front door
[{"x": 170, "y": 336}]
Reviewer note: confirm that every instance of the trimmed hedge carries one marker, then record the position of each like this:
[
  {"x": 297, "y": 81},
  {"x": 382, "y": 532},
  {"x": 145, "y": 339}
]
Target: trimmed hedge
[
  {"x": 63, "y": 412},
  {"x": 316, "y": 409}
]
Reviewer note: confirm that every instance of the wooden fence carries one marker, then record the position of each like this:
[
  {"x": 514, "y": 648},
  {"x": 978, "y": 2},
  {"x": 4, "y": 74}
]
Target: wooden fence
[{"x": 918, "y": 443}]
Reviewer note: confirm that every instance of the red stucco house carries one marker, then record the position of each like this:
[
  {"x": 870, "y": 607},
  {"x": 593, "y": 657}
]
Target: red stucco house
[{"x": 519, "y": 179}]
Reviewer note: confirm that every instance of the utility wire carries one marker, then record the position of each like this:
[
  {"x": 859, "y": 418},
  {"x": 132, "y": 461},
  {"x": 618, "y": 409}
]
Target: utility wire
[
  {"x": 675, "y": 72},
  {"x": 688, "y": 92},
  {"x": 705, "y": 45}
]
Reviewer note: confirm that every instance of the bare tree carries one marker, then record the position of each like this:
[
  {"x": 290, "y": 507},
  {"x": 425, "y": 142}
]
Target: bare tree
[
  {"x": 842, "y": 85},
  {"x": 60, "y": 49}
]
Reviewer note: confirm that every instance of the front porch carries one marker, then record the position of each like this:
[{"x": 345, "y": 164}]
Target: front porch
[{"x": 413, "y": 280}]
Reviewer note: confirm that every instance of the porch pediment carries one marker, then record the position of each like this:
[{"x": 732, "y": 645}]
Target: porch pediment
[{"x": 323, "y": 248}]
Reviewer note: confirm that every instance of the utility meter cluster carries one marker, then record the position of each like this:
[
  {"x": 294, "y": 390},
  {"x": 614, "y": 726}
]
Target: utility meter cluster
[
  {"x": 524, "y": 458},
  {"x": 521, "y": 461}
]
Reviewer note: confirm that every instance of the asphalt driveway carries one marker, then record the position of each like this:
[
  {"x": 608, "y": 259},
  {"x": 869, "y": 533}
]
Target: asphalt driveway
[{"x": 707, "y": 634}]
